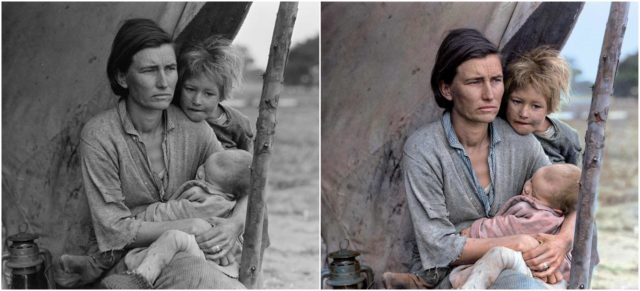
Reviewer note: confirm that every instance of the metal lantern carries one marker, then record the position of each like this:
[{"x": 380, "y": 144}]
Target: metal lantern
[
  {"x": 29, "y": 265},
  {"x": 345, "y": 272}
]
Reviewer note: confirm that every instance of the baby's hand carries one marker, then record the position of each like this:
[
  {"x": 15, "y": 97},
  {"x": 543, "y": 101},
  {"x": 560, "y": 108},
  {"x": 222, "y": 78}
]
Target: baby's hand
[
  {"x": 465, "y": 232},
  {"x": 226, "y": 260},
  {"x": 195, "y": 194}
]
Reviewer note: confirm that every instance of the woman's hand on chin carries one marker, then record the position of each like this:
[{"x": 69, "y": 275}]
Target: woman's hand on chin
[
  {"x": 545, "y": 259},
  {"x": 218, "y": 241}
]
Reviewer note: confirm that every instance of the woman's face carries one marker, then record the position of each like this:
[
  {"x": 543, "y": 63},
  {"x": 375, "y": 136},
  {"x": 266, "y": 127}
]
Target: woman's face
[
  {"x": 151, "y": 77},
  {"x": 199, "y": 97},
  {"x": 527, "y": 110},
  {"x": 476, "y": 90}
]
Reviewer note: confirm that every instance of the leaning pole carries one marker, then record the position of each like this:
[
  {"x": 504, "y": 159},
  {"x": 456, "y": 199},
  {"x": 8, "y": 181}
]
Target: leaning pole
[
  {"x": 594, "y": 139},
  {"x": 251, "y": 262}
]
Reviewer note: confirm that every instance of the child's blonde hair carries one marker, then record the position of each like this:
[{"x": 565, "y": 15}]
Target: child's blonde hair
[
  {"x": 567, "y": 179},
  {"x": 545, "y": 70},
  {"x": 215, "y": 58}
]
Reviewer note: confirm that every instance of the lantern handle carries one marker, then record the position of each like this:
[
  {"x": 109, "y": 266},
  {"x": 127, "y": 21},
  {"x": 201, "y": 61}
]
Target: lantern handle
[
  {"x": 23, "y": 227},
  {"x": 344, "y": 241}
]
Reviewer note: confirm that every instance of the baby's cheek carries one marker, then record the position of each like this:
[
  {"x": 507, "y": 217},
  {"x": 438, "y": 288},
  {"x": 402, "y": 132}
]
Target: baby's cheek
[{"x": 200, "y": 173}]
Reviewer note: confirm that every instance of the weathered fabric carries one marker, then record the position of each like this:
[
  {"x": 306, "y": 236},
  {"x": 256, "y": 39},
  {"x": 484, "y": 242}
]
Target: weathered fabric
[
  {"x": 219, "y": 204},
  {"x": 116, "y": 172},
  {"x": 522, "y": 215},
  {"x": 485, "y": 271},
  {"x": 519, "y": 215},
  {"x": 483, "y": 195},
  {"x": 188, "y": 272},
  {"x": 564, "y": 145},
  {"x": 150, "y": 261},
  {"x": 235, "y": 132},
  {"x": 440, "y": 190}
]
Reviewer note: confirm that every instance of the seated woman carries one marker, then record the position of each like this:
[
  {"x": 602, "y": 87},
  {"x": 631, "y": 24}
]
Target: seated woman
[
  {"x": 467, "y": 164},
  {"x": 141, "y": 151}
]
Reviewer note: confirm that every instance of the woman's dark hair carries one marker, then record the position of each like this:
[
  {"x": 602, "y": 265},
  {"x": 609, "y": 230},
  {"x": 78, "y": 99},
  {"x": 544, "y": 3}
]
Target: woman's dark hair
[
  {"x": 459, "y": 46},
  {"x": 134, "y": 35}
]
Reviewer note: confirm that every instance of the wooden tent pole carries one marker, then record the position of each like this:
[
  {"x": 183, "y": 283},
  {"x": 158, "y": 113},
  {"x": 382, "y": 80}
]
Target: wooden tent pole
[
  {"x": 592, "y": 161},
  {"x": 251, "y": 262}
]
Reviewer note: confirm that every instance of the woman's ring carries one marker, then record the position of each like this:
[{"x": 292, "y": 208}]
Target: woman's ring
[
  {"x": 545, "y": 266},
  {"x": 217, "y": 249}
]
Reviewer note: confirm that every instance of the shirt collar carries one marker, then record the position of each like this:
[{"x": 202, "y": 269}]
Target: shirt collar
[
  {"x": 127, "y": 124},
  {"x": 452, "y": 138}
]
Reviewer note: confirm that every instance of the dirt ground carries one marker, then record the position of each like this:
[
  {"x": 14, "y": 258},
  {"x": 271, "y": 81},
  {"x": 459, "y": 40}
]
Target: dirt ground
[
  {"x": 292, "y": 260},
  {"x": 617, "y": 213}
]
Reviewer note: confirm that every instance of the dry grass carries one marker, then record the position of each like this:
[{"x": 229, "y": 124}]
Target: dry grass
[{"x": 617, "y": 214}]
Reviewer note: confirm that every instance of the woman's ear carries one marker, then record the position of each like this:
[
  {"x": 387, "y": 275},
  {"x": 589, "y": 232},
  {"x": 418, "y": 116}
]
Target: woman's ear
[
  {"x": 121, "y": 78},
  {"x": 445, "y": 90}
]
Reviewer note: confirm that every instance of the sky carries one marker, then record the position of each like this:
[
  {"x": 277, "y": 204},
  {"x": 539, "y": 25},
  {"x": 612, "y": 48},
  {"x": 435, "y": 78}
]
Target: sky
[
  {"x": 257, "y": 29},
  {"x": 585, "y": 42}
]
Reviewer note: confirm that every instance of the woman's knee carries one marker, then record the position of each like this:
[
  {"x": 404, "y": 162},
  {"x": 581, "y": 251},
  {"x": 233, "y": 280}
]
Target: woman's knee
[
  {"x": 510, "y": 279},
  {"x": 189, "y": 272}
]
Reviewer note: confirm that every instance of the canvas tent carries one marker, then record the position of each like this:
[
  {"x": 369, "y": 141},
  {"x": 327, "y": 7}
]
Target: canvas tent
[
  {"x": 54, "y": 79},
  {"x": 373, "y": 102}
]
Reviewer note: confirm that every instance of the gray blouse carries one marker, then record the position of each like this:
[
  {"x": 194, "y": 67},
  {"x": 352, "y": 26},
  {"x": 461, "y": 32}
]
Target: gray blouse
[
  {"x": 116, "y": 173},
  {"x": 443, "y": 195}
]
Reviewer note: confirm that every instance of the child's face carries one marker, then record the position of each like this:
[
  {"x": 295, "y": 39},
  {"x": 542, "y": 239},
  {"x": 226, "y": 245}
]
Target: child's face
[
  {"x": 539, "y": 188},
  {"x": 199, "y": 97},
  {"x": 526, "y": 110}
]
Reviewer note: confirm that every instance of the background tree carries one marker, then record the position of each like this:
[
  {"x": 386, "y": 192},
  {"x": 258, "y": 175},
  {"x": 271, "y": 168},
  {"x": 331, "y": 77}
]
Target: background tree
[
  {"x": 302, "y": 65},
  {"x": 626, "y": 82},
  {"x": 578, "y": 87}
]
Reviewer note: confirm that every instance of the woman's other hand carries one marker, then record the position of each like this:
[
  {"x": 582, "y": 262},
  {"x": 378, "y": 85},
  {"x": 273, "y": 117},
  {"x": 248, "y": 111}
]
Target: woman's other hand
[
  {"x": 198, "y": 226},
  {"x": 554, "y": 278},
  {"x": 226, "y": 260},
  {"x": 524, "y": 242},
  {"x": 547, "y": 257},
  {"x": 218, "y": 241},
  {"x": 195, "y": 194}
]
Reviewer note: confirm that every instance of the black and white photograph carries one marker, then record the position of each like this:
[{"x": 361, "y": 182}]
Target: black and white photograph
[{"x": 164, "y": 145}]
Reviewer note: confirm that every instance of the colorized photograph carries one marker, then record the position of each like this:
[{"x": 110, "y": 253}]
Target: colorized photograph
[
  {"x": 160, "y": 145},
  {"x": 479, "y": 145}
]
